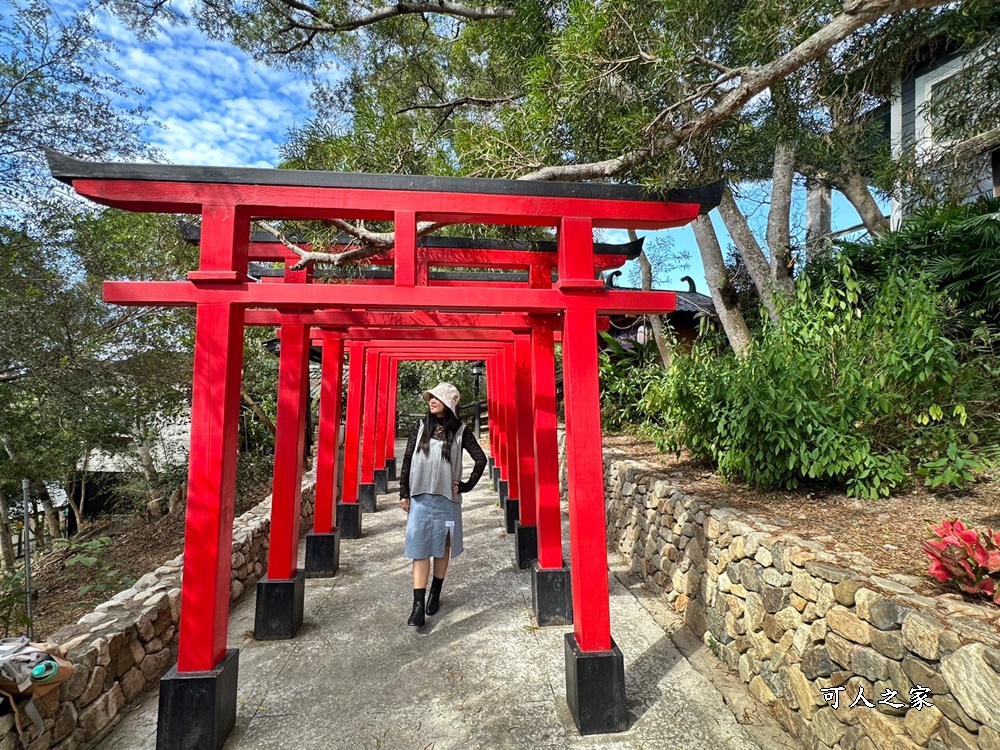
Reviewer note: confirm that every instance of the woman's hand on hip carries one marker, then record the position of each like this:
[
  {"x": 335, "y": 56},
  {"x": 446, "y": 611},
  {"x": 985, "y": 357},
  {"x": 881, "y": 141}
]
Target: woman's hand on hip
[
  {"x": 454, "y": 488},
  {"x": 404, "y": 503}
]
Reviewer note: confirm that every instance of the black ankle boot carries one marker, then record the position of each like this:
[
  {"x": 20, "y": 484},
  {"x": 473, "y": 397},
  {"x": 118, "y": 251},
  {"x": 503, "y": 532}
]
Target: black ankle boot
[
  {"x": 417, "y": 615},
  {"x": 434, "y": 600}
]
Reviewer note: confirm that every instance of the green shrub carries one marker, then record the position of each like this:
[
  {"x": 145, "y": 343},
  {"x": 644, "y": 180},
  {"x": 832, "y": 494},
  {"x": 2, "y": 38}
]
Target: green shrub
[
  {"x": 860, "y": 393},
  {"x": 626, "y": 373}
]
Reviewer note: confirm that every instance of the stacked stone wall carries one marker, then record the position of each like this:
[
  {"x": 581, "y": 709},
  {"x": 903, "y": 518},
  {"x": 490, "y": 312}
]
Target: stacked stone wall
[
  {"x": 795, "y": 620},
  {"x": 126, "y": 644}
]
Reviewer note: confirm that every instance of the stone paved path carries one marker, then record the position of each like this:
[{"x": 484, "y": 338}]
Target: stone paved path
[{"x": 479, "y": 675}]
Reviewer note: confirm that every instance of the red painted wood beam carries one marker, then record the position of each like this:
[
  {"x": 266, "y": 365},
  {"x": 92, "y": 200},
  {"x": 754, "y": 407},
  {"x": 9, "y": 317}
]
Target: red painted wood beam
[
  {"x": 339, "y": 296},
  {"x": 419, "y": 319},
  {"x": 328, "y": 441},
  {"x": 208, "y": 525},
  {"x": 300, "y": 202},
  {"x": 448, "y": 257}
]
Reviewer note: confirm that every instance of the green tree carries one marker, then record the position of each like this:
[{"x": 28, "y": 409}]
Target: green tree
[{"x": 52, "y": 94}]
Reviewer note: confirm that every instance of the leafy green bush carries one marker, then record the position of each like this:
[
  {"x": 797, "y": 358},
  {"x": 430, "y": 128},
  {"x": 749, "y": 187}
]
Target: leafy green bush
[
  {"x": 860, "y": 393},
  {"x": 958, "y": 246},
  {"x": 13, "y": 612},
  {"x": 626, "y": 373},
  {"x": 102, "y": 576}
]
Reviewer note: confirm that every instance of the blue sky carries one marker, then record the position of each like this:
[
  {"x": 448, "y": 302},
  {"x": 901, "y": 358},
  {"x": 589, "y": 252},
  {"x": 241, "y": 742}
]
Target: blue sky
[{"x": 211, "y": 104}]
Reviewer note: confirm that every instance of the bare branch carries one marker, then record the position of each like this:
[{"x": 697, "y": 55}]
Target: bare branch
[
  {"x": 712, "y": 64},
  {"x": 461, "y": 102},
  {"x": 439, "y": 7}
]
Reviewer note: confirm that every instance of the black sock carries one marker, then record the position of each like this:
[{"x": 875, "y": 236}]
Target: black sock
[
  {"x": 436, "y": 584},
  {"x": 418, "y": 595}
]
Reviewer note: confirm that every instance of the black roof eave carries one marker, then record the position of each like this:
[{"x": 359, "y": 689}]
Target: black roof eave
[{"x": 67, "y": 168}]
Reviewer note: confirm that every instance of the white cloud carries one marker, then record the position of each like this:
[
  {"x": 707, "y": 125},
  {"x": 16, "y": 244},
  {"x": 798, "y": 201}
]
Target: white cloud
[{"x": 209, "y": 102}]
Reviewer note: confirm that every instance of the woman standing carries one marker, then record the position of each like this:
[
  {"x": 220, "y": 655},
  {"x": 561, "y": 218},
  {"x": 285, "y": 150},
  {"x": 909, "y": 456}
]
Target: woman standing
[{"x": 430, "y": 491}]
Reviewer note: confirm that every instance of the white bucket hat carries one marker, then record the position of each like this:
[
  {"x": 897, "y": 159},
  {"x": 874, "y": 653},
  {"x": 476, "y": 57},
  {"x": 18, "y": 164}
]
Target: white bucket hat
[{"x": 447, "y": 394}]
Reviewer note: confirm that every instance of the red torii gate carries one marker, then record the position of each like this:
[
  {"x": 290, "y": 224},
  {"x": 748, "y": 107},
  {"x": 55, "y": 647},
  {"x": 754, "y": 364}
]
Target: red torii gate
[{"x": 197, "y": 697}]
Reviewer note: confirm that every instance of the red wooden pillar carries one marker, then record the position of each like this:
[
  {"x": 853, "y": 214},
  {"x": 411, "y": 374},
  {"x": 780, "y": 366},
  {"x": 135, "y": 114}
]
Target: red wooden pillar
[
  {"x": 366, "y": 489},
  {"x": 323, "y": 543},
  {"x": 349, "y": 511},
  {"x": 390, "y": 438},
  {"x": 551, "y": 599},
  {"x": 208, "y": 530},
  {"x": 328, "y": 442},
  {"x": 510, "y": 488},
  {"x": 525, "y": 531},
  {"x": 280, "y": 595},
  {"x": 198, "y": 695},
  {"x": 493, "y": 417},
  {"x": 595, "y": 667},
  {"x": 382, "y": 418},
  {"x": 546, "y": 445}
]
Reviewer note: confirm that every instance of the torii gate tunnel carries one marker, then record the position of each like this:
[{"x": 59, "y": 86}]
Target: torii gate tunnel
[{"x": 198, "y": 695}]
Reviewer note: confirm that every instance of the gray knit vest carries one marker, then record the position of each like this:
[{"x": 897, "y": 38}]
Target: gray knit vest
[{"x": 431, "y": 473}]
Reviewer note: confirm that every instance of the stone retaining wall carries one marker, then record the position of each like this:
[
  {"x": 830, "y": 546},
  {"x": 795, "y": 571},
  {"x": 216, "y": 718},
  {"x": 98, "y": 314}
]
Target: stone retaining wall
[
  {"x": 126, "y": 644},
  {"x": 796, "y": 620}
]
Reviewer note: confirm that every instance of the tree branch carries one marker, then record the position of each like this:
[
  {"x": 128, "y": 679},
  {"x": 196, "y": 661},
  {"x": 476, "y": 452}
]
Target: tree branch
[
  {"x": 752, "y": 81},
  {"x": 749, "y": 249},
  {"x": 461, "y": 102},
  {"x": 976, "y": 145},
  {"x": 439, "y": 7}
]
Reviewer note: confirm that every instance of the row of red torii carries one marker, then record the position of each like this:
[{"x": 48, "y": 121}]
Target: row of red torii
[{"x": 413, "y": 315}]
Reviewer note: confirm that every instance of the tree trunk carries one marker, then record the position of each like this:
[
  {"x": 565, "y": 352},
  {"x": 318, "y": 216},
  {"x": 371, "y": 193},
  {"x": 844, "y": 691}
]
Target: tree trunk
[
  {"x": 779, "y": 218},
  {"x": 719, "y": 285},
  {"x": 6, "y": 541},
  {"x": 655, "y": 321},
  {"x": 852, "y": 184},
  {"x": 51, "y": 516},
  {"x": 259, "y": 413},
  {"x": 78, "y": 508},
  {"x": 749, "y": 250},
  {"x": 154, "y": 503}
]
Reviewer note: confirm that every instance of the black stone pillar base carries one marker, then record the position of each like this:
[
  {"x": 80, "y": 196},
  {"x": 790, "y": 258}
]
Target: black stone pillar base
[
  {"x": 489, "y": 467},
  {"x": 503, "y": 490},
  {"x": 511, "y": 512},
  {"x": 349, "y": 520},
  {"x": 279, "y": 607},
  {"x": 595, "y": 688},
  {"x": 551, "y": 595},
  {"x": 366, "y": 496},
  {"x": 322, "y": 554},
  {"x": 495, "y": 478},
  {"x": 390, "y": 468},
  {"x": 198, "y": 709},
  {"x": 525, "y": 544},
  {"x": 381, "y": 481}
]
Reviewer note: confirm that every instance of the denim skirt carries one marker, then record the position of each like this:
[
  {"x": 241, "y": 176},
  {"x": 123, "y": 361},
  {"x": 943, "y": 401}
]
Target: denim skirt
[{"x": 431, "y": 519}]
